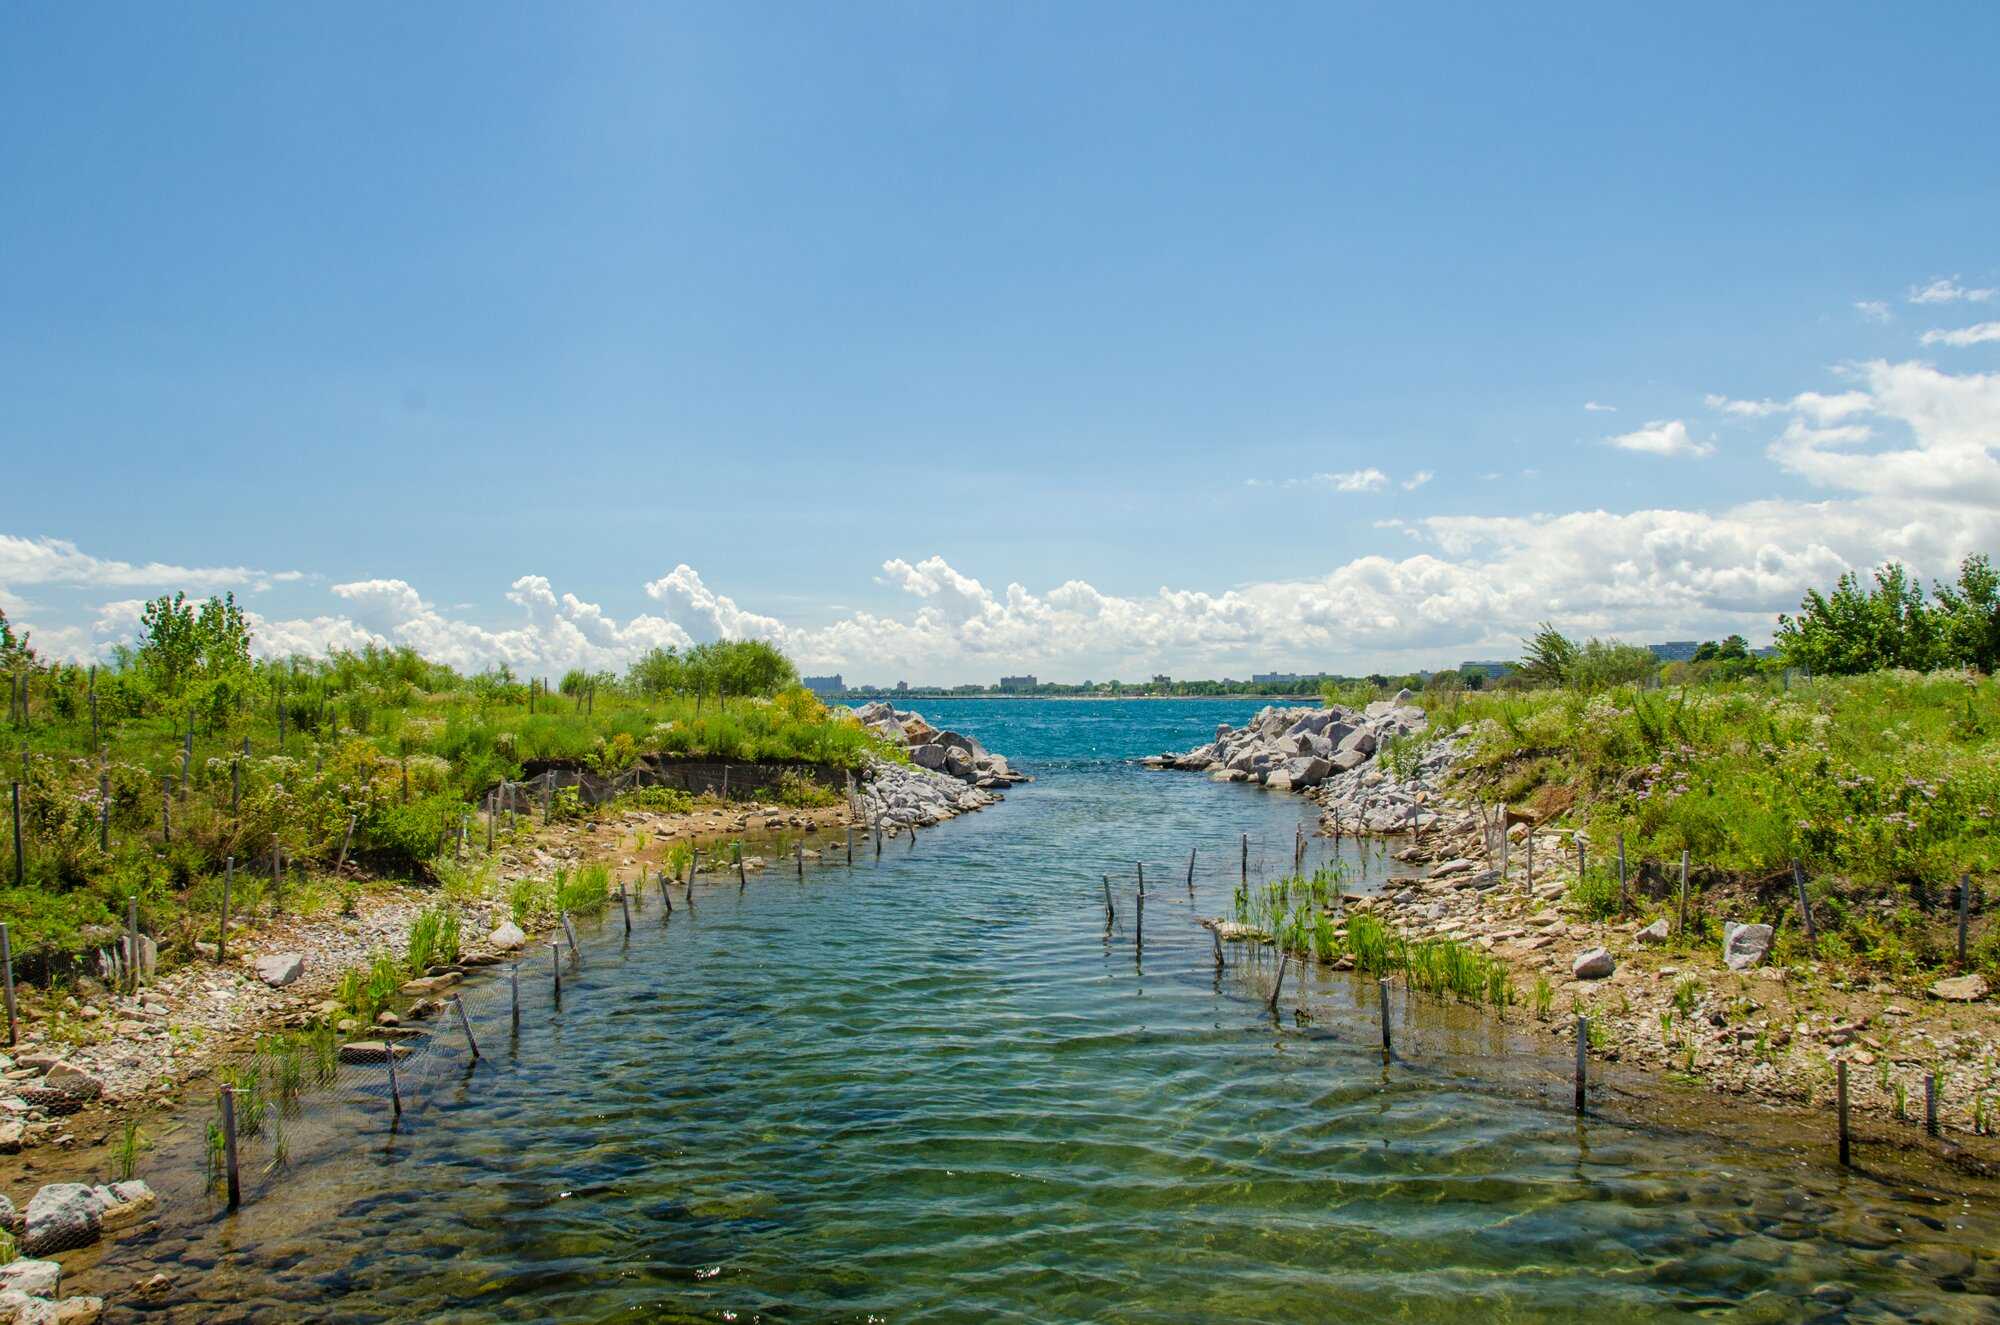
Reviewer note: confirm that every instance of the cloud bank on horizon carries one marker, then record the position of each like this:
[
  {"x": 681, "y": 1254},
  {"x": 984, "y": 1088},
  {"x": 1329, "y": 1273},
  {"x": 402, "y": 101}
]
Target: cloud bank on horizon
[{"x": 1905, "y": 456}]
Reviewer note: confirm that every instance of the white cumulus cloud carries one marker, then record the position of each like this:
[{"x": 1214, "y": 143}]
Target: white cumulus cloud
[
  {"x": 1946, "y": 290},
  {"x": 1663, "y": 437},
  {"x": 1977, "y": 334}
]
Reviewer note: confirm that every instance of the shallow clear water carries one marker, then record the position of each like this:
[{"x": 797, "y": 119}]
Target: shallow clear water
[{"x": 933, "y": 1088}]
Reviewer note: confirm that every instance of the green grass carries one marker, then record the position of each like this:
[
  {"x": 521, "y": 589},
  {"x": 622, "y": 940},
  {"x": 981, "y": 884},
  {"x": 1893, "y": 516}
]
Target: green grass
[
  {"x": 401, "y": 747},
  {"x": 586, "y": 892},
  {"x": 1293, "y": 912},
  {"x": 1882, "y": 786}
]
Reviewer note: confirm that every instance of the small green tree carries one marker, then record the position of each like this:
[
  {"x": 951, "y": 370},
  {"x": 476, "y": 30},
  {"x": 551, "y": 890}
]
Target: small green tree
[
  {"x": 1858, "y": 628},
  {"x": 196, "y": 658},
  {"x": 1969, "y": 615},
  {"x": 1550, "y": 656}
]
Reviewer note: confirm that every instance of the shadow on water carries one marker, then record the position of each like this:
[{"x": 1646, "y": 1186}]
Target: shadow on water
[{"x": 934, "y": 1088}]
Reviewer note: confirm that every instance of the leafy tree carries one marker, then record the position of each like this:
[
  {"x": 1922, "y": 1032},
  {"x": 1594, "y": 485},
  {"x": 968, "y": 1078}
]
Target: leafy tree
[
  {"x": 659, "y": 672},
  {"x": 1733, "y": 649},
  {"x": 1601, "y": 664},
  {"x": 196, "y": 658},
  {"x": 1858, "y": 628},
  {"x": 1550, "y": 656},
  {"x": 14, "y": 650},
  {"x": 1969, "y": 615}
]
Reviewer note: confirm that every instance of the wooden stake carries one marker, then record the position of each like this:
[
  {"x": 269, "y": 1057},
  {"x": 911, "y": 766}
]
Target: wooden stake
[
  {"x": 1246, "y": 858},
  {"x": 346, "y": 840},
  {"x": 230, "y": 1174},
  {"x": 1622, "y": 907},
  {"x": 1191, "y": 851},
  {"x": 555, "y": 967},
  {"x": 1582, "y": 1059},
  {"x": 222, "y": 934},
  {"x": 7, "y": 962},
  {"x": 464, "y": 1024},
  {"x": 1382, "y": 996},
  {"x": 742, "y": 881},
  {"x": 1964, "y": 905},
  {"x": 850, "y": 844},
  {"x": 395, "y": 1087},
  {"x": 1840, "y": 1086},
  {"x": 132, "y": 942},
  {"x": 624, "y": 906},
  {"x": 799, "y": 858},
  {"x": 514, "y": 990},
  {"x": 1284, "y": 960},
  {"x": 1216, "y": 935}
]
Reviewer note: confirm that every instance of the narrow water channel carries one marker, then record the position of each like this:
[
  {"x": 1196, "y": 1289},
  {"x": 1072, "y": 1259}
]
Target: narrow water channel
[{"x": 932, "y": 1088}]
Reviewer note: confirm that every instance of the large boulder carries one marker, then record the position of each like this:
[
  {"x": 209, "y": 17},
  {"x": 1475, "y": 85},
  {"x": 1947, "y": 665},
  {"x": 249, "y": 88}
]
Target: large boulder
[
  {"x": 1308, "y": 771},
  {"x": 1593, "y": 964},
  {"x": 62, "y": 1217},
  {"x": 929, "y": 755},
  {"x": 1362, "y": 741},
  {"x": 279, "y": 969},
  {"x": 1745, "y": 946},
  {"x": 1348, "y": 760},
  {"x": 506, "y": 937},
  {"x": 958, "y": 762},
  {"x": 960, "y": 741},
  {"x": 1960, "y": 989},
  {"x": 35, "y": 1278}
]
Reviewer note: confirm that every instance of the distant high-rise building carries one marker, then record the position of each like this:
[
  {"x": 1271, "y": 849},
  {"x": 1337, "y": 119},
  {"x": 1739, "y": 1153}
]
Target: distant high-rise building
[
  {"x": 1274, "y": 678},
  {"x": 1018, "y": 682},
  {"x": 823, "y": 685}
]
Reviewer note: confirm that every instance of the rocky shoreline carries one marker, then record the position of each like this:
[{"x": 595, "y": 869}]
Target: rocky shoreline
[{"x": 1715, "y": 1014}]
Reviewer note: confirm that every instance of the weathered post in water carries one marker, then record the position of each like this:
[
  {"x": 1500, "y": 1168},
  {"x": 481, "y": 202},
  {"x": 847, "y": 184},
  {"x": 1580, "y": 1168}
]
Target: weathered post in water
[
  {"x": 1284, "y": 960},
  {"x": 555, "y": 967},
  {"x": 395, "y": 1087},
  {"x": 1191, "y": 851},
  {"x": 229, "y": 1170},
  {"x": 1582, "y": 1058},
  {"x": 514, "y": 992},
  {"x": 1840, "y": 1086},
  {"x": 464, "y": 1024},
  {"x": 1382, "y": 997},
  {"x": 1216, "y": 934},
  {"x": 625, "y": 906},
  {"x": 1246, "y": 858}
]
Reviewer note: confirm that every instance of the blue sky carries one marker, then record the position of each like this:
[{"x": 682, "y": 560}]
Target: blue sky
[{"x": 468, "y": 325}]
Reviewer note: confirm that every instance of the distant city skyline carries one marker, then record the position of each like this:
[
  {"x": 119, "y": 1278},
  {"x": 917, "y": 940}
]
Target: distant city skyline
[{"x": 966, "y": 340}]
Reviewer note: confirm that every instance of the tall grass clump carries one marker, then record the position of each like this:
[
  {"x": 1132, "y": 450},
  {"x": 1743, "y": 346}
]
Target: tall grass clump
[{"x": 585, "y": 892}]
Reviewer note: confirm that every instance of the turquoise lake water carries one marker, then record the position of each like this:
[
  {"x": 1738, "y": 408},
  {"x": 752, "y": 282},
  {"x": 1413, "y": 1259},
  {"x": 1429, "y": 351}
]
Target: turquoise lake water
[{"x": 933, "y": 1087}]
